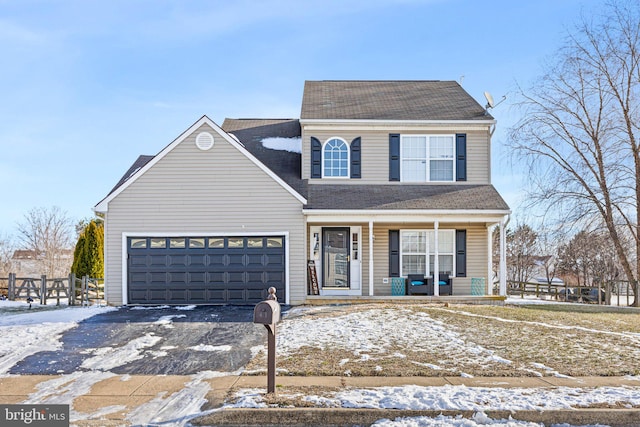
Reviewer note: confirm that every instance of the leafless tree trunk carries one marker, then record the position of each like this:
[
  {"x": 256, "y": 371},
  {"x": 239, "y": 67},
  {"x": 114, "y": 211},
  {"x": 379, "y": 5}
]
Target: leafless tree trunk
[
  {"x": 579, "y": 129},
  {"x": 6, "y": 254},
  {"x": 48, "y": 233},
  {"x": 521, "y": 252}
]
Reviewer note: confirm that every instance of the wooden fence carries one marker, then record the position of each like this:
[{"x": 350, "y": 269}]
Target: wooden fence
[
  {"x": 77, "y": 290},
  {"x": 621, "y": 292}
]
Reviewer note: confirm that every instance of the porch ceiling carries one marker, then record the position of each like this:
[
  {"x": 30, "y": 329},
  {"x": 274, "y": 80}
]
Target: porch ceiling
[{"x": 413, "y": 217}]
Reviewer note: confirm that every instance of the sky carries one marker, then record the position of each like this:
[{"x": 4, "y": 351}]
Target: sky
[{"x": 88, "y": 86}]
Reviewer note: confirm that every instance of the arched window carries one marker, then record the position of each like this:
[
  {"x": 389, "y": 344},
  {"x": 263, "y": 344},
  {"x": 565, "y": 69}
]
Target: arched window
[{"x": 335, "y": 158}]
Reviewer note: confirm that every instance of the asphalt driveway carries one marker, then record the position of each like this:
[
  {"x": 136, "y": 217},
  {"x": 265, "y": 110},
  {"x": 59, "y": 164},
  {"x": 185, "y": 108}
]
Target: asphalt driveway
[{"x": 154, "y": 341}]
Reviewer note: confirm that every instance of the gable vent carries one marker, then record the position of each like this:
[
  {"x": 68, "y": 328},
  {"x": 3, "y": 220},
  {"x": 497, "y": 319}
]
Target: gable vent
[{"x": 204, "y": 141}]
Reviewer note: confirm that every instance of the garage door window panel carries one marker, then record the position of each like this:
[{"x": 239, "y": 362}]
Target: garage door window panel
[
  {"x": 158, "y": 243},
  {"x": 138, "y": 243},
  {"x": 235, "y": 243},
  {"x": 178, "y": 243},
  {"x": 255, "y": 243},
  {"x": 196, "y": 243},
  {"x": 216, "y": 243},
  {"x": 274, "y": 242}
]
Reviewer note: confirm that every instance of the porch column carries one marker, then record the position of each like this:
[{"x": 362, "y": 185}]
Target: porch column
[
  {"x": 436, "y": 261},
  {"x": 503, "y": 258},
  {"x": 489, "y": 283},
  {"x": 370, "y": 258}
]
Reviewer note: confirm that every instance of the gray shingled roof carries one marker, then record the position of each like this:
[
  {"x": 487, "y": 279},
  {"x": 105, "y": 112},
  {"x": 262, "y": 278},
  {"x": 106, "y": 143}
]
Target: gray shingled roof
[
  {"x": 251, "y": 132},
  {"x": 389, "y": 100},
  {"x": 405, "y": 196},
  {"x": 137, "y": 165}
]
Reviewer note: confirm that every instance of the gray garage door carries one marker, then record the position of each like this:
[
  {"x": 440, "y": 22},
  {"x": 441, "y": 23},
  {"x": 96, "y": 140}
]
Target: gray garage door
[{"x": 205, "y": 270}]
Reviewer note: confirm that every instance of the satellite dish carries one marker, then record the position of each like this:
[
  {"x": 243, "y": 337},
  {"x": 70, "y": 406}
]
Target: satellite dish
[{"x": 490, "y": 103}]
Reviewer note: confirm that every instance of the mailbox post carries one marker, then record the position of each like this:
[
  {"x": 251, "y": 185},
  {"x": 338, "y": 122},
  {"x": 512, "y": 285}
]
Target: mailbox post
[{"x": 267, "y": 313}]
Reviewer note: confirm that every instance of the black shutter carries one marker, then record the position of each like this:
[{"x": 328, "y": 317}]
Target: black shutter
[
  {"x": 394, "y": 253},
  {"x": 461, "y": 157},
  {"x": 316, "y": 158},
  {"x": 461, "y": 253},
  {"x": 394, "y": 157},
  {"x": 356, "y": 171}
]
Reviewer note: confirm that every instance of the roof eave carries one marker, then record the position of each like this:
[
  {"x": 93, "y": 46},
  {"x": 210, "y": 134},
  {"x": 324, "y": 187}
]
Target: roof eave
[{"x": 485, "y": 122}]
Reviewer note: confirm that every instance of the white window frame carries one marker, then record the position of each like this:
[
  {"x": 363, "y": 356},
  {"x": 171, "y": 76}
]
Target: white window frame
[
  {"x": 427, "y": 159},
  {"x": 428, "y": 250},
  {"x": 348, "y": 175}
]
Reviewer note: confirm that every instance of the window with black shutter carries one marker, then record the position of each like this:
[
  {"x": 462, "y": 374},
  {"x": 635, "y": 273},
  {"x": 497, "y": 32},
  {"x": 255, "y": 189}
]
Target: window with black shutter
[
  {"x": 356, "y": 164},
  {"x": 394, "y": 157},
  {"x": 316, "y": 158}
]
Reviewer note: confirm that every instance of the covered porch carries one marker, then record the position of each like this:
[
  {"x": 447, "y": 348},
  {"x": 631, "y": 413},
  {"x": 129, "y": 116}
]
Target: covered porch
[{"x": 366, "y": 256}]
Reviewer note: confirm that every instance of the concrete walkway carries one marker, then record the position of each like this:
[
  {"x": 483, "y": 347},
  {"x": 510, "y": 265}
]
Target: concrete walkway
[{"x": 134, "y": 390}]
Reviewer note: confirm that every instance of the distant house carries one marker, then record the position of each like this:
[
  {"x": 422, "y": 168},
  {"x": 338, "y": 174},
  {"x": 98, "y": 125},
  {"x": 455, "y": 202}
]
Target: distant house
[
  {"x": 544, "y": 281},
  {"x": 29, "y": 263},
  {"x": 377, "y": 180}
]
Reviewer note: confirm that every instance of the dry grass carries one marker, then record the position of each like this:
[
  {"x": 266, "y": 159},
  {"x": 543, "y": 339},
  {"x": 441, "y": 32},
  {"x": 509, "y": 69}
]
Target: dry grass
[{"x": 568, "y": 342}]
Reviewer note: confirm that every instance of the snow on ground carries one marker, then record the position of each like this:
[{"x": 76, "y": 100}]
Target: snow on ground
[
  {"x": 31, "y": 332},
  {"x": 366, "y": 334},
  {"x": 373, "y": 332}
]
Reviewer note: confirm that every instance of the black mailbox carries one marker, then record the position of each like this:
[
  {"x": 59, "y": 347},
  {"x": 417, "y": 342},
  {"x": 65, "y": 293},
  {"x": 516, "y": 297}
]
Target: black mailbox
[{"x": 266, "y": 312}]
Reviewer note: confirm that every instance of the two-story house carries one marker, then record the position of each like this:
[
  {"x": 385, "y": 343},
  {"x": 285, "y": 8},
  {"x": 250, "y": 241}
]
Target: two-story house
[{"x": 377, "y": 181}]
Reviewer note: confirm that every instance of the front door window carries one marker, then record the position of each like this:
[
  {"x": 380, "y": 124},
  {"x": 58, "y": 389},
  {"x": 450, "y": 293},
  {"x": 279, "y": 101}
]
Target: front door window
[{"x": 335, "y": 257}]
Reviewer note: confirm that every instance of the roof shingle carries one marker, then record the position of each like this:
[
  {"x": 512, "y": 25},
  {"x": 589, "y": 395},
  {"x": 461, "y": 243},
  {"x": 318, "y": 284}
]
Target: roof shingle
[
  {"x": 405, "y": 196},
  {"x": 389, "y": 100}
]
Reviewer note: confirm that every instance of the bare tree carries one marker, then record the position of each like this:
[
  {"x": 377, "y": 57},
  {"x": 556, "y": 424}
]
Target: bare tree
[
  {"x": 579, "y": 128},
  {"x": 6, "y": 253},
  {"x": 589, "y": 259},
  {"x": 521, "y": 253},
  {"x": 48, "y": 233},
  {"x": 575, "y": 257},
  {"x": 549, "y": 240}
]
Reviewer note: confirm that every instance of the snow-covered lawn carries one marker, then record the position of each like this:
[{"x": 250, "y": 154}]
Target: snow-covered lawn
[
  {"x": 370, "y": 340},
  {"x": 432, "y": 340}
]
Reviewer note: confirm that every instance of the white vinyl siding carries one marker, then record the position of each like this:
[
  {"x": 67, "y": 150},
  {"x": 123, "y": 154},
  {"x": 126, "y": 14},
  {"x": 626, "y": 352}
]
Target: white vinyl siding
[{"x": 190, "y": 191}]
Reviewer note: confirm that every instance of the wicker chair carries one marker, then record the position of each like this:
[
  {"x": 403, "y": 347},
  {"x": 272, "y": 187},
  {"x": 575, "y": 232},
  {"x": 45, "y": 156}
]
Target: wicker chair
[
  {"x": 444, "y": 285},
  {"x": 417, "y": 284}
]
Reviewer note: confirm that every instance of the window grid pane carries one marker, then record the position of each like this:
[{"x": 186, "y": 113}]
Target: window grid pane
[
  {"x": 414, "y": 242},
  {"x": 413, "y": 264},
  {"x": 441, "y": 147},
  {"x": 414, "y": 170},
  {"x": 445, "y": 264},
  {"x": 441, "y": 170}
]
